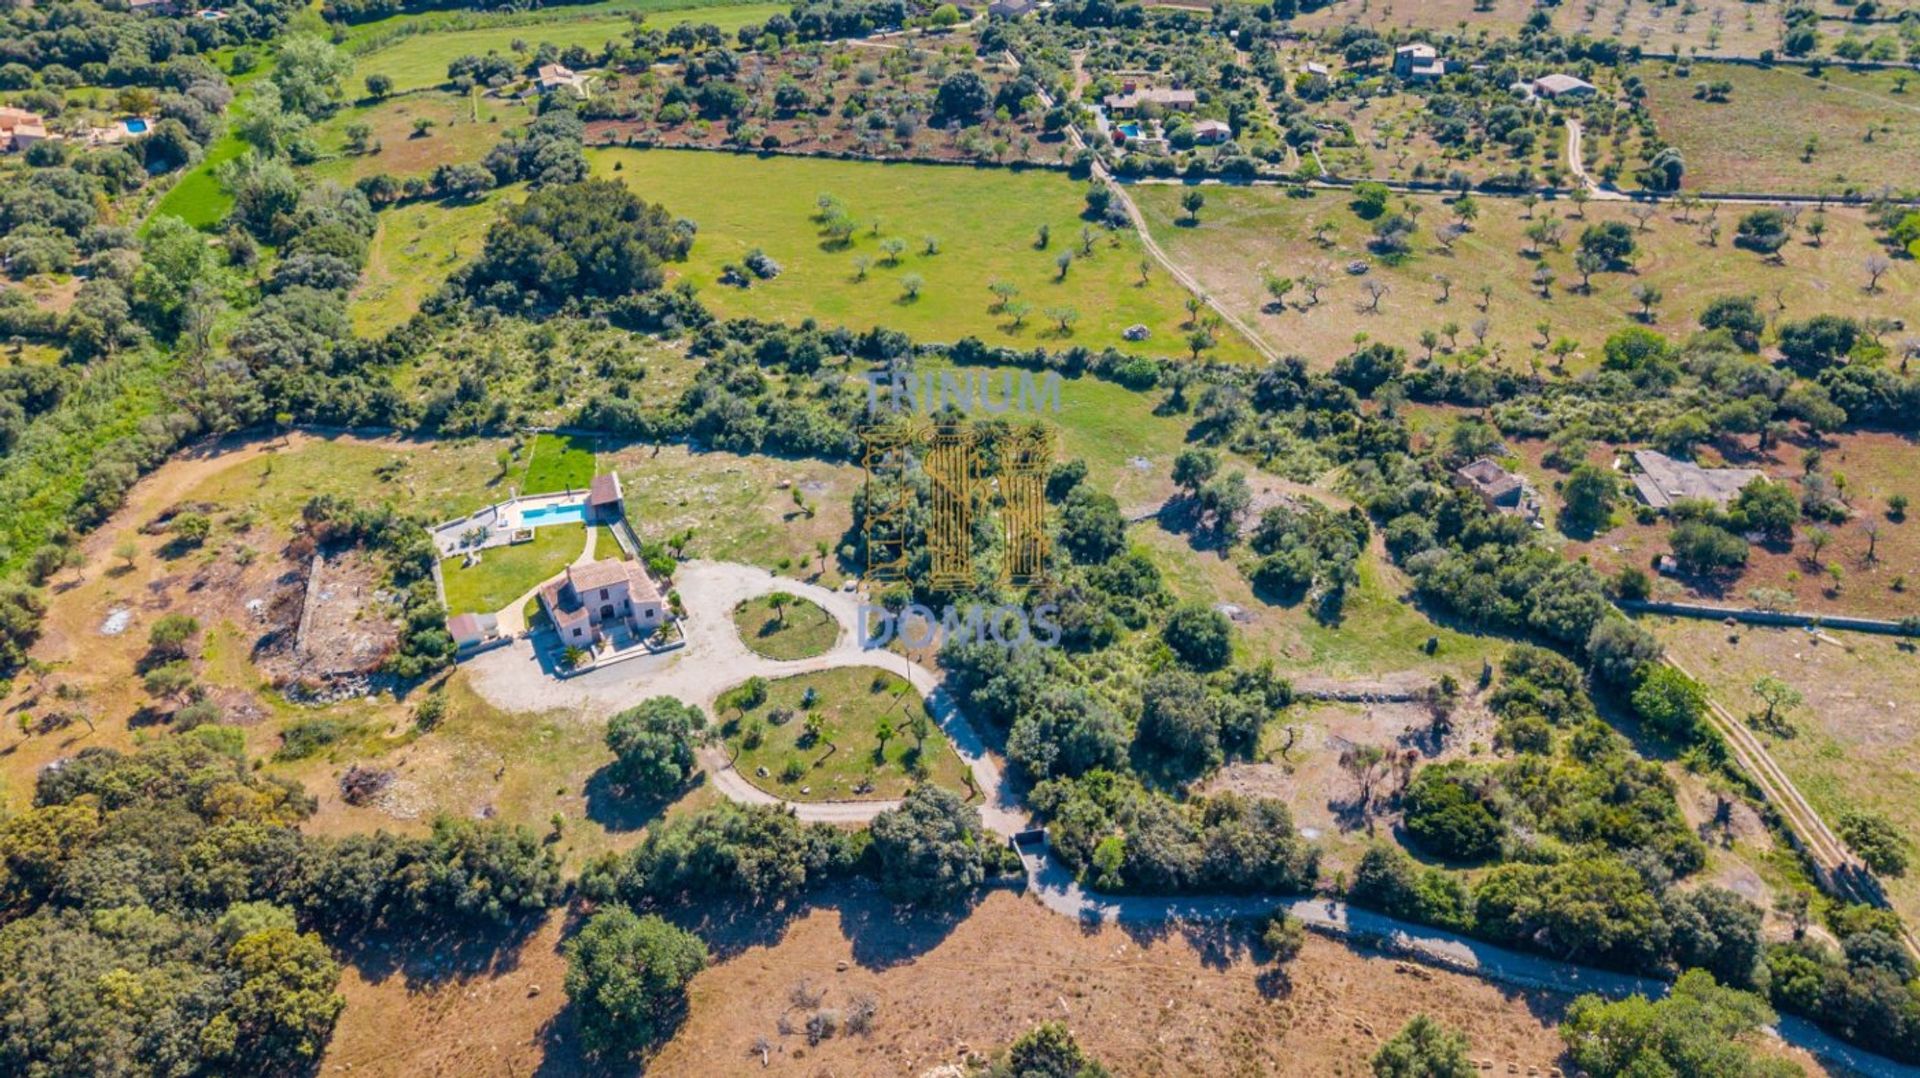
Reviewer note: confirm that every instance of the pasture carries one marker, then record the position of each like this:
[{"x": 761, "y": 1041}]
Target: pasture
[
  {"x": 463, "y": 128},
  {"x": 415, "y": 248},
  {"x": 986, "y": 227},
  {"x": 418, "y": 61},
  {"x": 1246, "y": 234},
  {"x": 1852, "y": 744},
  {"x": 1784, "y": 130}
]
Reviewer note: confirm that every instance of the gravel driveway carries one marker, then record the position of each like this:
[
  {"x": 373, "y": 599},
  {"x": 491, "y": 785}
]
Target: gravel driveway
[{"x": 715, "y": 659}]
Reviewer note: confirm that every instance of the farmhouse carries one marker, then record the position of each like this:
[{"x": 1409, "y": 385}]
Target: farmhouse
[
  {"x": 606, "y": 599},
  {"x": 1663, "y": 480},
  {"x": 555, "y": 78},
  {"x": 1211, "y": 132},
  {"x": 1010, "y": 9},
  {"x": 1554, "y": 86},
  {"x": 1132, "y": 99},
  {"x": 1418, "y": 62},
  {"x": 20, "y": 129},
  {"x": 1499, "y": 488}
]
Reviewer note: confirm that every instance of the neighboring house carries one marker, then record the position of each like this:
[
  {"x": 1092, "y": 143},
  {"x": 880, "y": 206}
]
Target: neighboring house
[
  {"x": 1418, "y": 62},
  {"x": 1315, "y": 68},
  {"x": 1011, "y": 9},
  {"x": 555, "y": 78},
  {"x": 605, "y": 500},
  {"x": 1554, "y": 86},
  {"x": 1132, "y": 98},
  {"x": 472, "y": 631},
  {"x": 600, "y": 599},
  {"x": 1211, "y": 132},
  {"x": 1499, "y": 488},
  {"x": 1663, "y": 480},
  {"x": 20, "y": 129}
]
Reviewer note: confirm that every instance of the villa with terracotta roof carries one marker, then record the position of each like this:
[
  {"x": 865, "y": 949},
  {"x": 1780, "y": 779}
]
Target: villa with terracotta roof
[
  {"x": 607, "y": 599},
  {"x": 20, "y": 129}
]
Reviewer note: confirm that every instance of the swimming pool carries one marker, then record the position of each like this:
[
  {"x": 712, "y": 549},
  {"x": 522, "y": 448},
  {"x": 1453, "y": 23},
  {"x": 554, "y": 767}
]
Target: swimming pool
[
  {"x": 575, "y": 513},
  {"x": 135, "y": 127},
  {"x": 1129, "y": 130}
]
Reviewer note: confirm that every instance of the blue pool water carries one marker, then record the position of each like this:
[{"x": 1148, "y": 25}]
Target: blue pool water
[
  {"x": 575, "y": 513},
  {"x": 136, "y": 126},
  {"x": 1129, "y": 130}
]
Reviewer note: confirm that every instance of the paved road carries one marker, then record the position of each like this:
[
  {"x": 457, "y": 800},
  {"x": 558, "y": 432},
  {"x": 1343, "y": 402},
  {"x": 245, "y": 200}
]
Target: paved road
[{"x": 715, "y": 659}]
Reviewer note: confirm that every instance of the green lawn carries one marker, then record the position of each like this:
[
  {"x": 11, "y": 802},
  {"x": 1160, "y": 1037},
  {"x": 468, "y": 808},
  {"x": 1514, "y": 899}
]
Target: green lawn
[
  {"x": 420, "y": 60},
  {"x": 986, "y": 222},
  {"x": 559, "y": 462},
  {"x": 850, "y": 702},
  {"x": 803, "y": 631},
  {"x": 505, "y": 573},
  {"x": 437, "y": 479}
]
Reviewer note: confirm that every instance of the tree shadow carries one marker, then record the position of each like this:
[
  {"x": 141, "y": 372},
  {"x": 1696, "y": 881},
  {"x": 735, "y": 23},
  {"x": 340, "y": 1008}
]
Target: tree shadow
[
  {"x": 618, "y": 812},
  {"x": 885, "y": 935},
  {"x": 426, "y": 956},
  {"x": 1219, "y": 941}
]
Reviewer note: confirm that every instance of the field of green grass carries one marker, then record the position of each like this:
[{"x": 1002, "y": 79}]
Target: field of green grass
[
  {"x": 850, "y": 703},
  {"x": 420, "y": 60},
  {"x": 415, "y": 248},
  {"x": 559, "y": 462},
  {"x": 438, "y": 479},
  {"x": 1246, "y": 233},
  {"x": 800, "y": 631},
  {"x": 1863, "y": 133},
  {"x": 985, "y": 221},
  {"x": 465, "y": 127},
  {"x": 197, "y": 197},
  {"x": 506, "y": 572}
]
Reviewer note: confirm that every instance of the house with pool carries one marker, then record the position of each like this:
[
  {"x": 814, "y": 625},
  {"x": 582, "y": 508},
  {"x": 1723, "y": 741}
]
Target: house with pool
[
  {"x": 513, "y": 570},
  {"x": 514, "y": 520}
]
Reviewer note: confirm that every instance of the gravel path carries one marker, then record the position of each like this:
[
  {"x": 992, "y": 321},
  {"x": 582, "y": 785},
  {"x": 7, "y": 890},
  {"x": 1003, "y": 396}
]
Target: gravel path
[{"x": 715, "y": 660}]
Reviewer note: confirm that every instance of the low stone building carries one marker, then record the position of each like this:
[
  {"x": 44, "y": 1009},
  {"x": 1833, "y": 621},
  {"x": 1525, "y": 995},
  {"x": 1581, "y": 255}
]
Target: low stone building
[
  {"x": 471, "y": 632},
  {"x": 1661, "y": 480},
  {"x": 1499, "y": 488},
  {"x": 1418, "y": 62},
  {"x": 1557, "y": 86}
]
